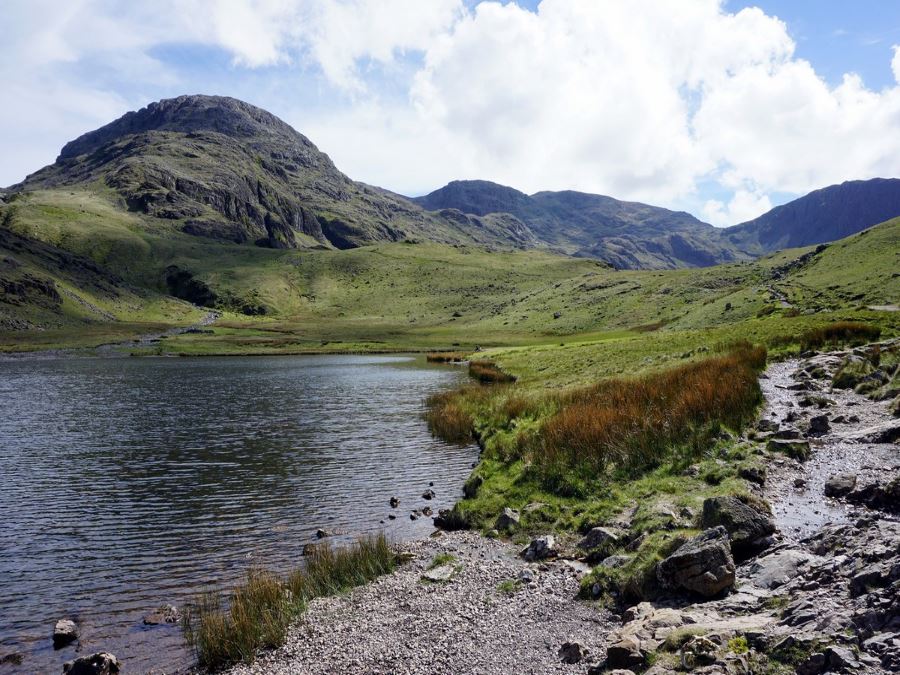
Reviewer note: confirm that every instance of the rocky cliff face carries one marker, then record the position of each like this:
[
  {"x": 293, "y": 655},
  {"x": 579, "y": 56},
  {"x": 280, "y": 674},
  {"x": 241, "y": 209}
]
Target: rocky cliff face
[
  {"x": 227, "y": 170},
  {"x": 824, "y": 215},
  {"x": 628, "y": 235}
]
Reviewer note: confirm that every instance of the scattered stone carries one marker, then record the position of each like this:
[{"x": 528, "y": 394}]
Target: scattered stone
[
  {"x": 598, "y": 537},
  {"x": 394, "y": 502},
  {"x": 840, "y": 485},
  {"x": 427, "y": 511},
  {"x": 626, "y": 653},
  {"x": 799, "y": 483},
  {"x": 703, "y": 565},
  {"x": 747, "y": 528},
  {"x": 162, "y": 614},
  {"x": 413, "y": 516},
  {"x": 439, "y": 574},
  {"x": 813, "y": 665},
  {"x": 571, "y": 652},
  {"x": 818, "y": 425},
  {"x": 508, "y": 520},
  {"x": 540, "y": 548},
  {"x": 102, "y": 663},
  {"x": 65, "y": 632},
  {"x": 841, "y": 658},
  {"x": 527, "y": 575},
  {"x": 884, "y": 432},
  {"x": 777, "y": 569},
  {"x": 428, "y": 494},
  {"x": 321, "y": 534}
]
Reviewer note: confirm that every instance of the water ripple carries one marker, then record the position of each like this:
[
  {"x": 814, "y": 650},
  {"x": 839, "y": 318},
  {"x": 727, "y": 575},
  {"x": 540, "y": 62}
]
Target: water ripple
[{"x": 131, "y": 483}]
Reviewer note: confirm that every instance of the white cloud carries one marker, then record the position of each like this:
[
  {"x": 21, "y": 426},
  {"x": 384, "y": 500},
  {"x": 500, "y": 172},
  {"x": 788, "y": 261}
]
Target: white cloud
[
  {"x": 744, "y": 205},
  {"x": 643, "y": 100}
]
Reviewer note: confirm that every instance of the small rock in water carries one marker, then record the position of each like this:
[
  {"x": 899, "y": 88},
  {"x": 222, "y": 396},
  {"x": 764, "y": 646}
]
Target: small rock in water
[
  {"x": 102, "y": 663},
  {"x": 571, "y": 652},
  {"x": 394, "y": 502},
  {"x": 162, "y": 614},
  {"x": 392, "y": 517},
  {"x": 428, "y": 494},
  {"x": 427, "y": 511},
  {"x": 321, "y": 534},
  {"x": 64, "y": 632},
  {"x": 413, "y": 516}
]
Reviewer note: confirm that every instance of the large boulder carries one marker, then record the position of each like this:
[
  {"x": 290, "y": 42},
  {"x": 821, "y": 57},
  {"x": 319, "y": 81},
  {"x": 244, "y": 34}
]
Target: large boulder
[
  {"x": 703, "y": 565},
  {"x": 840, "y": 485},
  {"x": 747, "y": 527},
  {"x": 101, "y": 663}
]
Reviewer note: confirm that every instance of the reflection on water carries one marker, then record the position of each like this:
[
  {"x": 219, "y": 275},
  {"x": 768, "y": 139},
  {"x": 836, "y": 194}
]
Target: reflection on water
[{"x": 128, "y": 483}]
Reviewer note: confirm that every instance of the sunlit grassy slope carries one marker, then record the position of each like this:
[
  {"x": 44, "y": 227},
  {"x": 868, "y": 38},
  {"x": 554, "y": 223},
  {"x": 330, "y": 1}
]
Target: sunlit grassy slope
[{"x": 428, "y": 296}]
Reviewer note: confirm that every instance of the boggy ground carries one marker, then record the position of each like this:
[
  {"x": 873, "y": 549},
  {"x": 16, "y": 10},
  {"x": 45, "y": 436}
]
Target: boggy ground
[{"x": 822, "y": 595}]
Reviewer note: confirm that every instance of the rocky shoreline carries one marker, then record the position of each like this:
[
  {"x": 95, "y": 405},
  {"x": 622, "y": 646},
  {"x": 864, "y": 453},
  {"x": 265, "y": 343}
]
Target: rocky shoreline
[{"x": 812, "y": 588}]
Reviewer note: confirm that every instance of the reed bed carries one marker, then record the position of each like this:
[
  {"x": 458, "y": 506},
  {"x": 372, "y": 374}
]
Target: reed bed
[
  {"x": 487, "y": 372},
  {"x": 261, "y": 609},
  {"x": 636, "y": 423},
  {"x": 445, "y": 357}
]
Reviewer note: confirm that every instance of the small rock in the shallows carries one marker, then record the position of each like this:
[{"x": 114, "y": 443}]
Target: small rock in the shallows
[
  {"x": 394, "y": 502},
  {"x": 162, "y": 614},
  {"x": 428, "y": 494},
  {"x": 102, "y": 663},
  {"x": 64, "y": 632}
]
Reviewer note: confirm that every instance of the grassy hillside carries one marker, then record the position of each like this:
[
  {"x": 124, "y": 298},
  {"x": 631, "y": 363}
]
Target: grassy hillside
[{"x": 427, "y": 296}]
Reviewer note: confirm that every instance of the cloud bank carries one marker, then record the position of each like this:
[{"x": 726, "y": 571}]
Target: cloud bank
[{"x": 675, "y": 102}]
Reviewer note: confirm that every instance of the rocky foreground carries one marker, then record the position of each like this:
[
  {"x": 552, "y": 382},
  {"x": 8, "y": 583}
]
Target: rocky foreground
[{"x": 812, "y": 587}]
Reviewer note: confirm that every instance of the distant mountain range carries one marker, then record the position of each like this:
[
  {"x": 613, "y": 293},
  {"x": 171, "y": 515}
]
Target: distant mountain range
[{"x": 222, "y": 169}]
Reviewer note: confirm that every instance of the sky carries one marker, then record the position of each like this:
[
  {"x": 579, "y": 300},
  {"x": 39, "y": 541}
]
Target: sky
[{"x": 720, "y": 108}]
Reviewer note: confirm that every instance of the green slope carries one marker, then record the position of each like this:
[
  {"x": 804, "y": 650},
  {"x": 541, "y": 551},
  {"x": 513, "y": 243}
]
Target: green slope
[{"x": 422, "y": 296}]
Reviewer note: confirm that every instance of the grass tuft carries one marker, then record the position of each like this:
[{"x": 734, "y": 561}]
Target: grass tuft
[
  {"x": 263, "y": 607},
  {"x": 840, "y": 332},
  {"x": 487, "y": 372}
]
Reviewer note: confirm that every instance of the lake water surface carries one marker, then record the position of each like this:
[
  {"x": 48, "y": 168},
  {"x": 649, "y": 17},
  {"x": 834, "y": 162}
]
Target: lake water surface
[{"x": 129, "y": 483}]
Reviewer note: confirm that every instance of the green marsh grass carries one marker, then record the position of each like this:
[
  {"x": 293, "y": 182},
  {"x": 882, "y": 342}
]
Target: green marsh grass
[{"x": 262, "y": 608}]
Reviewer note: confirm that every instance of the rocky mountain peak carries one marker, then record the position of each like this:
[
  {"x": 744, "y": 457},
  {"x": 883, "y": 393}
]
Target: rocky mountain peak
[{"x": 189, "y": 114}]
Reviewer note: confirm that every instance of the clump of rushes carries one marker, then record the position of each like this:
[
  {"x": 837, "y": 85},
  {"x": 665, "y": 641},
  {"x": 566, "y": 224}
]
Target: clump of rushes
[
  {"x": 840, "y": 332},
  {"x": 634, "y": 424},
  {"x": 263, "y": 607},
  {"x": 445, "y": 357},
  {"x": 450, "y": 414},
  {"x": 487, "y": 372}
]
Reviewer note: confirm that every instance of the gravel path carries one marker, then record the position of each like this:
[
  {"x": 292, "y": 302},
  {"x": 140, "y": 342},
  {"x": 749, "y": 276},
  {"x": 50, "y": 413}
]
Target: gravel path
[
  {"x": 401, "y": 624},
  {"x": 802, "y": 509}
]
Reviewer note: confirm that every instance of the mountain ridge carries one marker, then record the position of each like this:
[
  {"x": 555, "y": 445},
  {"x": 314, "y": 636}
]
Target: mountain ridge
[{"x": 219, "y": 168}]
